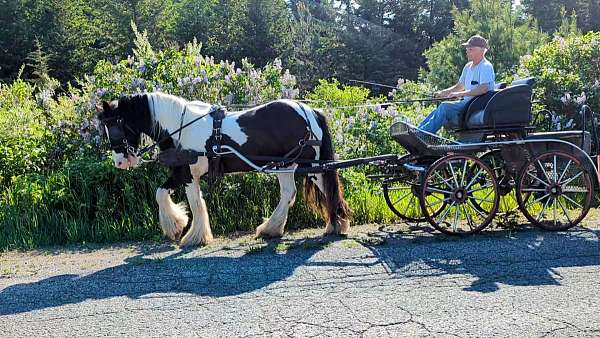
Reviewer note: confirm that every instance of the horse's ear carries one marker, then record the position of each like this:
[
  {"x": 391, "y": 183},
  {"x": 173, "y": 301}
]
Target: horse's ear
[{"x": 105, "y": 106}]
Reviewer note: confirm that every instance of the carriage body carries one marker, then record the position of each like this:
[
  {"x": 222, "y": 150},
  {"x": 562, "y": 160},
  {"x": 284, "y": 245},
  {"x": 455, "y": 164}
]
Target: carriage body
[{"x": 498, "y": 165}]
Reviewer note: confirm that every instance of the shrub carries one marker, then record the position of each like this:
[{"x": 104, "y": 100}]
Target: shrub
[{"x": 567, "y": 72}]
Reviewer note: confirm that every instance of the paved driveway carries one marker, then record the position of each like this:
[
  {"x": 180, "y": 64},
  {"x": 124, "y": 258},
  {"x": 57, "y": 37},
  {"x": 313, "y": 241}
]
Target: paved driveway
[{"x": 376, "y": 283}]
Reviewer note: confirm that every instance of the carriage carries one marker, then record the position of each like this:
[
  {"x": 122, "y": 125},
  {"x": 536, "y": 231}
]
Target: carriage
[{"x": 498, "y": 164}]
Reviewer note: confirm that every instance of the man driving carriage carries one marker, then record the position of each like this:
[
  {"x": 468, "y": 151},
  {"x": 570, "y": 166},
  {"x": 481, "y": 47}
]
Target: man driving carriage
[{"x": 477, "y": 78}]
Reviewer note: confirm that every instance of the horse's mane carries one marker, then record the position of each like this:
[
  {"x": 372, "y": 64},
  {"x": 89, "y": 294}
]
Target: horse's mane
[{"x": 168, "y": 109}]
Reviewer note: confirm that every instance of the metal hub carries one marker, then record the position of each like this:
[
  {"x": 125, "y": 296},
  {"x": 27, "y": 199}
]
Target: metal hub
[
  {"x": 460, "y": 195},
  {"x": 554, "y": 190}
]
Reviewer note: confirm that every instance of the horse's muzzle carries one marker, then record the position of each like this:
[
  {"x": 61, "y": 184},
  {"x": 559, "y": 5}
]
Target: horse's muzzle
[{"x": 125, "y": 162}]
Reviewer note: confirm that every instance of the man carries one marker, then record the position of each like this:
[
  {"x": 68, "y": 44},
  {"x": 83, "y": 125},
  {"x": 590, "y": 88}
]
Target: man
[{"x": 477, "y": 78}]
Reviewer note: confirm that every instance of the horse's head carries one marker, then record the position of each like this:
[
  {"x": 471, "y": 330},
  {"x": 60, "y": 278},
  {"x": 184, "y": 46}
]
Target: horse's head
[{"x": 122, "y": 133}]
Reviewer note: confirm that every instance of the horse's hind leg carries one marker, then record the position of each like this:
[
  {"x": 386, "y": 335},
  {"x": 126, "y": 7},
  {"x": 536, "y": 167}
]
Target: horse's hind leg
[
  {"x": 199, "y": 232},
  {"x": 334, "y": 221},
  {"x": 173, "y": 217},
  {"x": 275, "y": 225}
]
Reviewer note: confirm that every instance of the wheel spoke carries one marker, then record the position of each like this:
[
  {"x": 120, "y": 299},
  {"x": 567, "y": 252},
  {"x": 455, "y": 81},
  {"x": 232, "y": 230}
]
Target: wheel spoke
[
  {"x": 482, "y": 199},
  {"x": 408, "y": 205},
  {"x": 565, "y": 171},
  {"x": 439, "y": 202},
  {"x": 554, "y": 173},
  {"x": 533, "y": 190},
  {"x": 571, "y": 179},
  {"x": 537, "y": 200},
  {"x": 564, "y": 210},
  {"x": 445, "y": 181},
  {"x": 543, "y": 209},
  {"x": 445, "y": 213},
  {"x": 480, "y": 188},
  {"x": 431, "y": 189},
  {"x": 403, "y": 197},
  {"x": 454, "y": 225},
  {"x": 464, "y": 173},
  {"x": 554, "y": 204},
  {"x": 570, "y": 200},
  {"x": 537, "y": 178},
  {"x": 453, "y": 174},
  {"x": 544, "y": 171},
  {"x": 474, "y": 178},
  {"x": 468, "y": 216},
  {"x": 399, "y": 188}
]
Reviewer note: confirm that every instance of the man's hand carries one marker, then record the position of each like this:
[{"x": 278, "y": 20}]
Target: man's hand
[
  {"x": 456, "y": 95},
  {"x": 441, "y": 94}
]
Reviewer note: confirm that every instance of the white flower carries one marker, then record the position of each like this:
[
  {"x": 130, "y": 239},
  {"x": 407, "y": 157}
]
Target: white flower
[
  {"x": 581, "y": 99},
  {"x": 569, "y": 124}
]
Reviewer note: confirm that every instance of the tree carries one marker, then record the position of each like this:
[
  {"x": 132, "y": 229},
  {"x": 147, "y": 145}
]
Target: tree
[
  {"x": 548, "y": 13},
  {"x": 255, "y": 29}
]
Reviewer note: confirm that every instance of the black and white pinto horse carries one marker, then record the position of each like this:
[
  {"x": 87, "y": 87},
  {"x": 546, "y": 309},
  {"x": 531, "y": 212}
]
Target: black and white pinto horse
[{"x": 269, "y": 130}]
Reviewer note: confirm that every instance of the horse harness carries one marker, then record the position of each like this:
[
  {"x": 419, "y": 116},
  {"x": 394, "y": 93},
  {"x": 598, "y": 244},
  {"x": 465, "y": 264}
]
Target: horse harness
[{"x": 176, "y": 156}]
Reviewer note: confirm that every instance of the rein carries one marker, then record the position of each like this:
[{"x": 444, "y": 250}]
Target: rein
[{"x": 149, "y": 148}]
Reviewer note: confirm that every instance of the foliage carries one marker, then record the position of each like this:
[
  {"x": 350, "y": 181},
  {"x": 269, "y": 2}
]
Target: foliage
[
  {"x": 509, "y": 36},
  {"x": 567, "y": 71},
  {"x": 549, "y": 13},
  {"x": 58, "y": 185}
]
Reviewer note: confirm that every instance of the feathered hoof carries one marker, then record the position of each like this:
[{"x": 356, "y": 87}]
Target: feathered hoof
[
  {"x": 341, "y": 228},
  {"x": 264, "y": 231},
  {"x": 189, "y": 240}
]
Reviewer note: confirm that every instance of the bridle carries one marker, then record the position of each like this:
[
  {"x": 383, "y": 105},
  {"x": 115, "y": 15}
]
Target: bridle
[{"x": 122, "y": 144}]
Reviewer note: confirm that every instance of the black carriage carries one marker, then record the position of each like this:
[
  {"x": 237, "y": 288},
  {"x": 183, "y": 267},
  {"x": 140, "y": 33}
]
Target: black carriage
[{"x": 499, "y": 161}]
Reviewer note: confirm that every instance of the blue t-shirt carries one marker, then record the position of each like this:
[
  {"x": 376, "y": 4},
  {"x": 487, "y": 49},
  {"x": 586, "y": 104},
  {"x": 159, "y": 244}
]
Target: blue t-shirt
[{"x": 473, "y": 76}]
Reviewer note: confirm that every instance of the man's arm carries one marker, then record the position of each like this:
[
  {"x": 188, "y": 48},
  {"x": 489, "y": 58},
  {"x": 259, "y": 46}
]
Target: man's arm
[
  {"x": 479, "y": 90},
  {"x": 446, "y": 92}
]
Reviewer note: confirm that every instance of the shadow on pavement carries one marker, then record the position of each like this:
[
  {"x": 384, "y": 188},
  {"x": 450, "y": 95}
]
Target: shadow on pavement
[
  {"x": 206, "y": 275},
  {"x": 522, "y": 258},
  {"x": 526, "y": 258}
]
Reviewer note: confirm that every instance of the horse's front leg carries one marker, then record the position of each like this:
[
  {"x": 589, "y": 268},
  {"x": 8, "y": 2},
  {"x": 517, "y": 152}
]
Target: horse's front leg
[
  {"x": 199, "y": 232},
  {"x": 173, "y": 217},
  {"x": 275, "y": 225}
]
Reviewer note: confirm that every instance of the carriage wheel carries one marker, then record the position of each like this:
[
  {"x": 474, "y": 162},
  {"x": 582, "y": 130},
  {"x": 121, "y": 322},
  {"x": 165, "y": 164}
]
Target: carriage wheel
[
  {"x": 468, "y": 191},
  {"x": 554, "y": 191},
  {"x": 402, "y": 197},
  {"x": 508, "y": 201}
]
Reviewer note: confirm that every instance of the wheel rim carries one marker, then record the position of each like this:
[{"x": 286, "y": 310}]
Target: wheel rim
[
  {"x": 555, "y": 191},
  {"x": 402, "y": 198},
  {"x": 467, "y": 188}
]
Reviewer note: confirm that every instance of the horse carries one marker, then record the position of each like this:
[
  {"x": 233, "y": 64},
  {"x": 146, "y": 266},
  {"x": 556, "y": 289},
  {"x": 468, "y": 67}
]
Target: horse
[{"x": 271, "y": 130}]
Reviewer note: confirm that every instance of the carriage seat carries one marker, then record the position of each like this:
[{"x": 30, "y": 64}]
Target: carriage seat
[{"x": 504, "y": 108}]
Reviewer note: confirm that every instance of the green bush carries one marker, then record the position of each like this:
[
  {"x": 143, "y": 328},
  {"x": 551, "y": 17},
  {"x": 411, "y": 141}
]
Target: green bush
[
  {"x": 59, "y": 185},
  {"x": 567, "y": 72}
]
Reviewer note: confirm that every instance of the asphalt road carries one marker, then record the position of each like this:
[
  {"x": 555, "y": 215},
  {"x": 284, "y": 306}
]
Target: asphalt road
[{"x": 377, "y": 283}]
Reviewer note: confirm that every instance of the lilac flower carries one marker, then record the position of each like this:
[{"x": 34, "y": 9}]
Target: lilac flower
[
  {"x": 100, "y": 92},
  {"x": 581, "y": 99},
  {"x": 130, "y": 60}
]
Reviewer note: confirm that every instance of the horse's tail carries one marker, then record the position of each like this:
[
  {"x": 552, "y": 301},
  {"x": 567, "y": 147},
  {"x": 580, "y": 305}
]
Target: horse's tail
[{"x": 330, "y": 201}]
